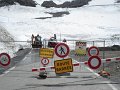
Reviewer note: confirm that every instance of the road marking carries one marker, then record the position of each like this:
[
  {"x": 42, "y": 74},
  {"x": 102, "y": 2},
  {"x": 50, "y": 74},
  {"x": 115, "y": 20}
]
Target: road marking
[
  {"x": 12, "y": 68},
  {"x": 30, "y": 52},
  {"x": 111, "y": 85},
  {"x": 24, "y": 58},
  {"x": 92, "y": 71},
  {"x": 7, "y": 71},
  {"x": 1, "y": 75}
]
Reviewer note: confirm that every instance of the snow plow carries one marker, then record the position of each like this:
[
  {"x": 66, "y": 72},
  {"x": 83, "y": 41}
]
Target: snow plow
[{"x": 36, "y": 41}]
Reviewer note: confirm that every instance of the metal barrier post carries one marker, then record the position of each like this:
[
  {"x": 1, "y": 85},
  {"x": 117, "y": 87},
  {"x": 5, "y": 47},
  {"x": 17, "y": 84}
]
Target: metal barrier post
[
  {"x": 93, "y": 43},
  {"x": 103, "y": 53}
]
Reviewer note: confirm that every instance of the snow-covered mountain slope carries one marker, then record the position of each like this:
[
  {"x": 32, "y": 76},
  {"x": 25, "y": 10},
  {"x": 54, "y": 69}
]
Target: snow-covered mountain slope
[
  {"x": 5, "y": 45},
  {"x": 99, "y": 19},
  {"x": 102, "y": 2}
]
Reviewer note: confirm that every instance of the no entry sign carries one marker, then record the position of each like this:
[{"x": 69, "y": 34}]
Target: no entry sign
[
  {"x": 62, "y": 50},
  {"x": 94, "y": 62},
  {"x": 4, "y": 59},
  {"x": 93, "y": 51}
]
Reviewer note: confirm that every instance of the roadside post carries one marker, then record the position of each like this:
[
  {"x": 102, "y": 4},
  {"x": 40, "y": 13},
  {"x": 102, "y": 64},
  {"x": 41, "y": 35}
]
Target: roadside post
[
  {"x": 104, "y": 54},
  {"x": 94, "y": 61},
  {"x": 45, "y": 61},
  {"x": 45, "y": 54}
]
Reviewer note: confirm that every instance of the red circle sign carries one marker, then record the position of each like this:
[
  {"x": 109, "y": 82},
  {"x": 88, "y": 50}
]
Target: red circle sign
[
  {"x": 4, "y": 59},
  {"x": 62, "y": 50},
  {"x": 45, "y": 61},
  {"x": 94, "y": 62},
  {"x": 93, "y": 51}
]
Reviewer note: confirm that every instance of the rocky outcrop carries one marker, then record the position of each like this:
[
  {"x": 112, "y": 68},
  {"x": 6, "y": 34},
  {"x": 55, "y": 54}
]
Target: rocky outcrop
[
  {"x": 118, "y": 1},
  {"x": 48, "y": 4},
  {"x": 21, "y": 2},
  {"x": 59, "y": 14},
  {"x": 26, "y": 2},
  {"x": 6, "y": 2},
  {"x": 72, "y": 4},
  {"x": 55, "y": 14}
]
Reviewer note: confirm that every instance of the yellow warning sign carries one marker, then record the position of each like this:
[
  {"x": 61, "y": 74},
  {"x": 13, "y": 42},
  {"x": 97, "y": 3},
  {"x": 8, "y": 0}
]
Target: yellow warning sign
[
  {"x": 80, "y": 48},
  {"x": 62, "y": 66},
  {"x": 80, "y": 51},
  {"x": 46, "y": 52}
]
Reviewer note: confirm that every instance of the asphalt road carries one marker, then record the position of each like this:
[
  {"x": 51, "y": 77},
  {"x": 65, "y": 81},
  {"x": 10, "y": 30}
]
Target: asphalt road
[
  {"x": 20, "y": 77},
  {"x": 15, "y": 60}
]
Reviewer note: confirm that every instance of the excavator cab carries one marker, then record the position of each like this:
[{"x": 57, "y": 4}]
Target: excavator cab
[
  {"x": 52, "y": 42},
  {"x": 36, "y": 41}
]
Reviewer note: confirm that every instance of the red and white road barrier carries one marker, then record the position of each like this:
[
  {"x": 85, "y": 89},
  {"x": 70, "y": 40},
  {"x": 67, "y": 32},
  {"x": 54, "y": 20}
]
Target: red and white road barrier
[
  {"x": 49, "y": 67},
  {"x": 42, "y": 68},
  {"x": 107, "y": 60}
]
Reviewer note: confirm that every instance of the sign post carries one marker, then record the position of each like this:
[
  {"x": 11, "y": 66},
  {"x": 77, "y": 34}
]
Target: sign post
[{"x": 4, "y": 59}]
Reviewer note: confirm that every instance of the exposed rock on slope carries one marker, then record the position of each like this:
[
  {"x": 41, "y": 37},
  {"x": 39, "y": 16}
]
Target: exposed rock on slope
[
  {"x": 118, "y": 1},
  {"x": 21, "y": 2},
  {"x": 48, "y": 4},
  {"x": 72, "y": 4}
]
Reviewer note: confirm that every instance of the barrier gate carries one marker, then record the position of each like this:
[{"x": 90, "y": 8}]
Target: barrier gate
[
  {"x": 79, "y": 52},
  {"x": 109, "y": 55}
]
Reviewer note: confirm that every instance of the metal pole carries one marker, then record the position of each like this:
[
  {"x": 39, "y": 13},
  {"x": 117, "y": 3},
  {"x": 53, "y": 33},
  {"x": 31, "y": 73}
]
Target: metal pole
[
  {"x": 93, "y": 43},
  {"x": 45, "y": 43},
  {"x": 103, "y": 53},
  {"x": 104, "y": 49},
  {"x": 60, "y": 37}
]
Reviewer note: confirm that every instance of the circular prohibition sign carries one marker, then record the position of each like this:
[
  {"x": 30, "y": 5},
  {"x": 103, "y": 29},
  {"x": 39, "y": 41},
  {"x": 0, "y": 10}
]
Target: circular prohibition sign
[
  {"x": 62, "y": 50},
  {"x": 94, "y": 60},
  {"x": 4, "y": 59},
  {"x": 93, "y": 51},
  {"x": 45, "y": 61}
]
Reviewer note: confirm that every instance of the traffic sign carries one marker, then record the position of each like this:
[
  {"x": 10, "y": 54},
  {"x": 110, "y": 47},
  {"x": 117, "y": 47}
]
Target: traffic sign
[
  {"x": 46, "y": 52},
  {"x": 80, "y": 48},
  {"x": 94, "y": 62},
  {"x": 4, "y": 59},
  {"x": 45, "y": 61},
  {"x": 63, "y": 66},
  {"x": 62, "y": 50},
  {"x": 93, "y": 51}
]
